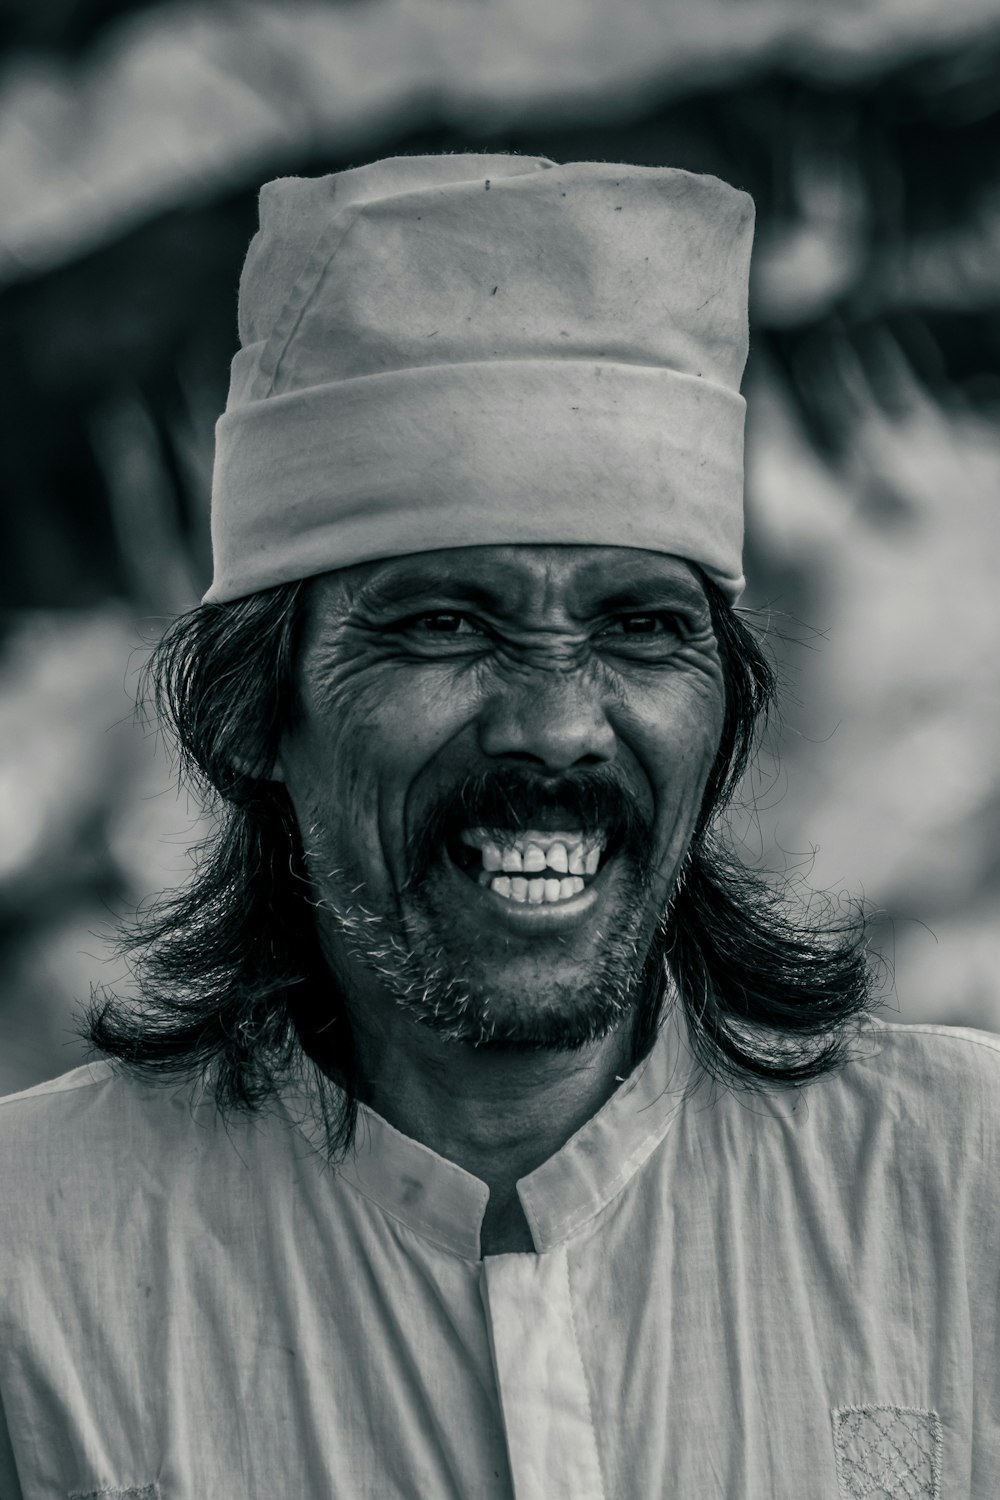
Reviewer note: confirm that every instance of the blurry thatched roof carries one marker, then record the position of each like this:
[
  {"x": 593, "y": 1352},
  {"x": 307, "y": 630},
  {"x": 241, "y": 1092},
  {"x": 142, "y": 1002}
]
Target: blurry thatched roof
[
  {"x": 869, "y": 135},
  {"x": 176, "y": 103}
]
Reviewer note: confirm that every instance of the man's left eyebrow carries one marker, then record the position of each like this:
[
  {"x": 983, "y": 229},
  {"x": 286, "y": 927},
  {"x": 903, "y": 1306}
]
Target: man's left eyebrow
[{"x": 653, "y": 593}]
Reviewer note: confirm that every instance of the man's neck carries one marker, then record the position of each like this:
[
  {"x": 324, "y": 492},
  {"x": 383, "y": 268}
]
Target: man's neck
[{"x": 496, "y": 1113}]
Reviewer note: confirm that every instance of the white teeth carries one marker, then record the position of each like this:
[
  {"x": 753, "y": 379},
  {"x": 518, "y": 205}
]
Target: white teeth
[
  {"x": 536, "y": 892},
  {"x": 546, "y": 840},
  {"x": 492, "y": 857},
  {"x": 479, "y": 838},
  {"x": 534, "y": 859},
  {"x": 536, "y": 853}
]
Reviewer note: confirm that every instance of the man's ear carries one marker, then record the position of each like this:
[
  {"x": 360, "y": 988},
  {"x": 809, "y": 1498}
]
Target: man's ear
[
  {"x": 241, "y": 765},
  {"x": 279, "y": 766}
]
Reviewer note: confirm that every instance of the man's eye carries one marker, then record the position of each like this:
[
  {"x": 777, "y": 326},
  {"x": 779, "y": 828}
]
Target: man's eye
[
  {"x": 659, "y": 625},
  {"x": 445, "y": 624},
  {"x": 440, "y": 622}
]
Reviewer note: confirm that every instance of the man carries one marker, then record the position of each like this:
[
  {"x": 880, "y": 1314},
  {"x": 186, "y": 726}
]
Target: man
[{"x": 415, "y": 1174}]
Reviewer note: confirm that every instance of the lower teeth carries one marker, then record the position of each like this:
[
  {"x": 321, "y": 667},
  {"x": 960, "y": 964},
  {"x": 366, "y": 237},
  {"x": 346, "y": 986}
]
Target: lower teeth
[{"x": 537, "y": 892}]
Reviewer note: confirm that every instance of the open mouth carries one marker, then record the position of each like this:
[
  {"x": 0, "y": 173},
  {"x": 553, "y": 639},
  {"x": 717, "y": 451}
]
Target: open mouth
[{"x": 530, "y": 866}]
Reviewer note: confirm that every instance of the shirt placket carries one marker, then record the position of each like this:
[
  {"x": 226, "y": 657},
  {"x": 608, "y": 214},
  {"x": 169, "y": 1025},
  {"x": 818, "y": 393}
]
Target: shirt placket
[{"x": 544, "y": 1400}]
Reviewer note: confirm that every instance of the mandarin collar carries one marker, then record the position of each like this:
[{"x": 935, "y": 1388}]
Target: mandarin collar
[{"x": 440, "y": 1201}]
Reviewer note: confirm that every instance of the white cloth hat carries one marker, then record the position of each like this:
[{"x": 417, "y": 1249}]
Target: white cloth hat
[{"x": 451, "y": 351}]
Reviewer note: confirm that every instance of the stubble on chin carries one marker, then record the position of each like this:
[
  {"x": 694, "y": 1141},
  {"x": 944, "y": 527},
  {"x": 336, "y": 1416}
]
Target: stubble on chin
[{"x": 464, "y": 998}]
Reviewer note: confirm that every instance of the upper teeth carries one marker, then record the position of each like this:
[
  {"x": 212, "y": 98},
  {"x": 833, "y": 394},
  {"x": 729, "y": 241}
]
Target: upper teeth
[{"x": 530, "y": 853}]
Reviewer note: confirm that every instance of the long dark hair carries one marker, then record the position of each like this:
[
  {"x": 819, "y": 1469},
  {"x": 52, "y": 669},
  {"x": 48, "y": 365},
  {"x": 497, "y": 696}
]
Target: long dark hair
[{"x": 231, "y": 982}]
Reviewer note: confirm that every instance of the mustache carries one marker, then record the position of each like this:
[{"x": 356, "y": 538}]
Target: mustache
[{"x": 514, "y": 798}]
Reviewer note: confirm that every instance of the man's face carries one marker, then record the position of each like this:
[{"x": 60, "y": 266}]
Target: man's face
[{"x": 498, "y": 766}]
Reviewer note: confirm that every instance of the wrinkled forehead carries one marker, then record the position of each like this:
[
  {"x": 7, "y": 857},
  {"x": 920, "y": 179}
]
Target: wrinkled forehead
[{"x": 519, "y": 577}]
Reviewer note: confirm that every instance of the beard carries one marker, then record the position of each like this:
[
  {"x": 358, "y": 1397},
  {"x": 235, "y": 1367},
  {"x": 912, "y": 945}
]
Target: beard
[
  {"x": 445, "y": 983},
  {"x": 445, "y": 991}
]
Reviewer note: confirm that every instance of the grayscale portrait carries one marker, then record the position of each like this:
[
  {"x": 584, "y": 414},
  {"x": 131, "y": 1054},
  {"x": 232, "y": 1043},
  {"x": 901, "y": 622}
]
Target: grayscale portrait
[{"x": 484, "y": 1112}]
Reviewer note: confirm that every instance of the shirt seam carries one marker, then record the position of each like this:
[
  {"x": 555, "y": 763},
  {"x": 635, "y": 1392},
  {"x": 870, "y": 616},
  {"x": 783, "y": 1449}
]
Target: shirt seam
[
  {"x": 950, "y": 1033},
  {"x": 52, "y": 1088},
  {"x": 586, "y": 1377}
]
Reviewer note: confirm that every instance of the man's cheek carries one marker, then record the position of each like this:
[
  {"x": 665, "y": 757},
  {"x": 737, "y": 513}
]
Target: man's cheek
[{"x": 365, "y": 827}]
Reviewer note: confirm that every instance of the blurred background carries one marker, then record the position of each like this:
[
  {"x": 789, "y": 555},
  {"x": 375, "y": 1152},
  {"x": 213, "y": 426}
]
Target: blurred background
[{"x": 133, "y": 138}]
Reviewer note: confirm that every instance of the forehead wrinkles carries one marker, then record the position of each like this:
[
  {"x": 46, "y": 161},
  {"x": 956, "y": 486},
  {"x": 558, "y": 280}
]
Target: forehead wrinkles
[{"x": 533, "y": 583}]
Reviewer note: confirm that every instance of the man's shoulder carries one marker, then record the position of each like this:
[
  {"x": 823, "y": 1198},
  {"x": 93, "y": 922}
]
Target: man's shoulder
[
  {"x": 939, "y": 1084},
  {"x": 89, "y": 1094},
  {"x": 85, "y": 1076},
  {"x": 92, "y": 1094},
  {"x": 85, "y": 1132},
  {"x": 101, "y": 1154},
  {"x": 926, "y": 1054}
]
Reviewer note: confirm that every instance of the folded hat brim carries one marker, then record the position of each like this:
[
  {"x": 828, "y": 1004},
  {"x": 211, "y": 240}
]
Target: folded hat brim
[{"x": 548, "y": 451}]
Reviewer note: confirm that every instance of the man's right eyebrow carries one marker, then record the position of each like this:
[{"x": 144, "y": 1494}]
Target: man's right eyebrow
[{"x": 406, "y": 591}]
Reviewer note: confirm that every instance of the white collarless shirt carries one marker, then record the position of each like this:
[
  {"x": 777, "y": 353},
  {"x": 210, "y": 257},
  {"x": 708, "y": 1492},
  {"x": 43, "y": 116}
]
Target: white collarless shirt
[{"x": 785, "y": 1296}]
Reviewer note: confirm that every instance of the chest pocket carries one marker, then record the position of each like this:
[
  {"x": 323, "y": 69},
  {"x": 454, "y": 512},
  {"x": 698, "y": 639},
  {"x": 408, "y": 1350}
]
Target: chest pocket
[{"x": 889, "y": 1451}]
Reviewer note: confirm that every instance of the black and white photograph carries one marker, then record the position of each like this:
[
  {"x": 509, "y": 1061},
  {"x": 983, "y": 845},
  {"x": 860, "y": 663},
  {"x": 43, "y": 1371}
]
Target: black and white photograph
[{"x": 499, "y": 750}]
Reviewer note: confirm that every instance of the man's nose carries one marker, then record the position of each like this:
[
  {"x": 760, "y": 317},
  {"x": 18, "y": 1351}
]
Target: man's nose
[{"x": 554, "y": 720}]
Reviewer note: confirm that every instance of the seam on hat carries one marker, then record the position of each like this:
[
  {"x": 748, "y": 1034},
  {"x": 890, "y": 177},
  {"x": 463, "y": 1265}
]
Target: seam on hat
[
  {"x": 893, "y": 1452},
  {"x": 297, "y": 305},
  {"x": 133, "y": 1492}
]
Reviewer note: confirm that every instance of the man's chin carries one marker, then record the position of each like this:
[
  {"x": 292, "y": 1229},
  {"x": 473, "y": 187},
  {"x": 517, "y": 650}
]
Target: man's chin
[
  {"x": 557, "y": 1023},
  {"x": 500, "y": 995},
  {"x": 457, "y": 960}
]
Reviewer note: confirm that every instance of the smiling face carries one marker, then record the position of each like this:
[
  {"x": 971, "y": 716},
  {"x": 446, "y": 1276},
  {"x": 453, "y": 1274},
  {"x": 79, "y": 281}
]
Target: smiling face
[{"x": 496, "y": 772}]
